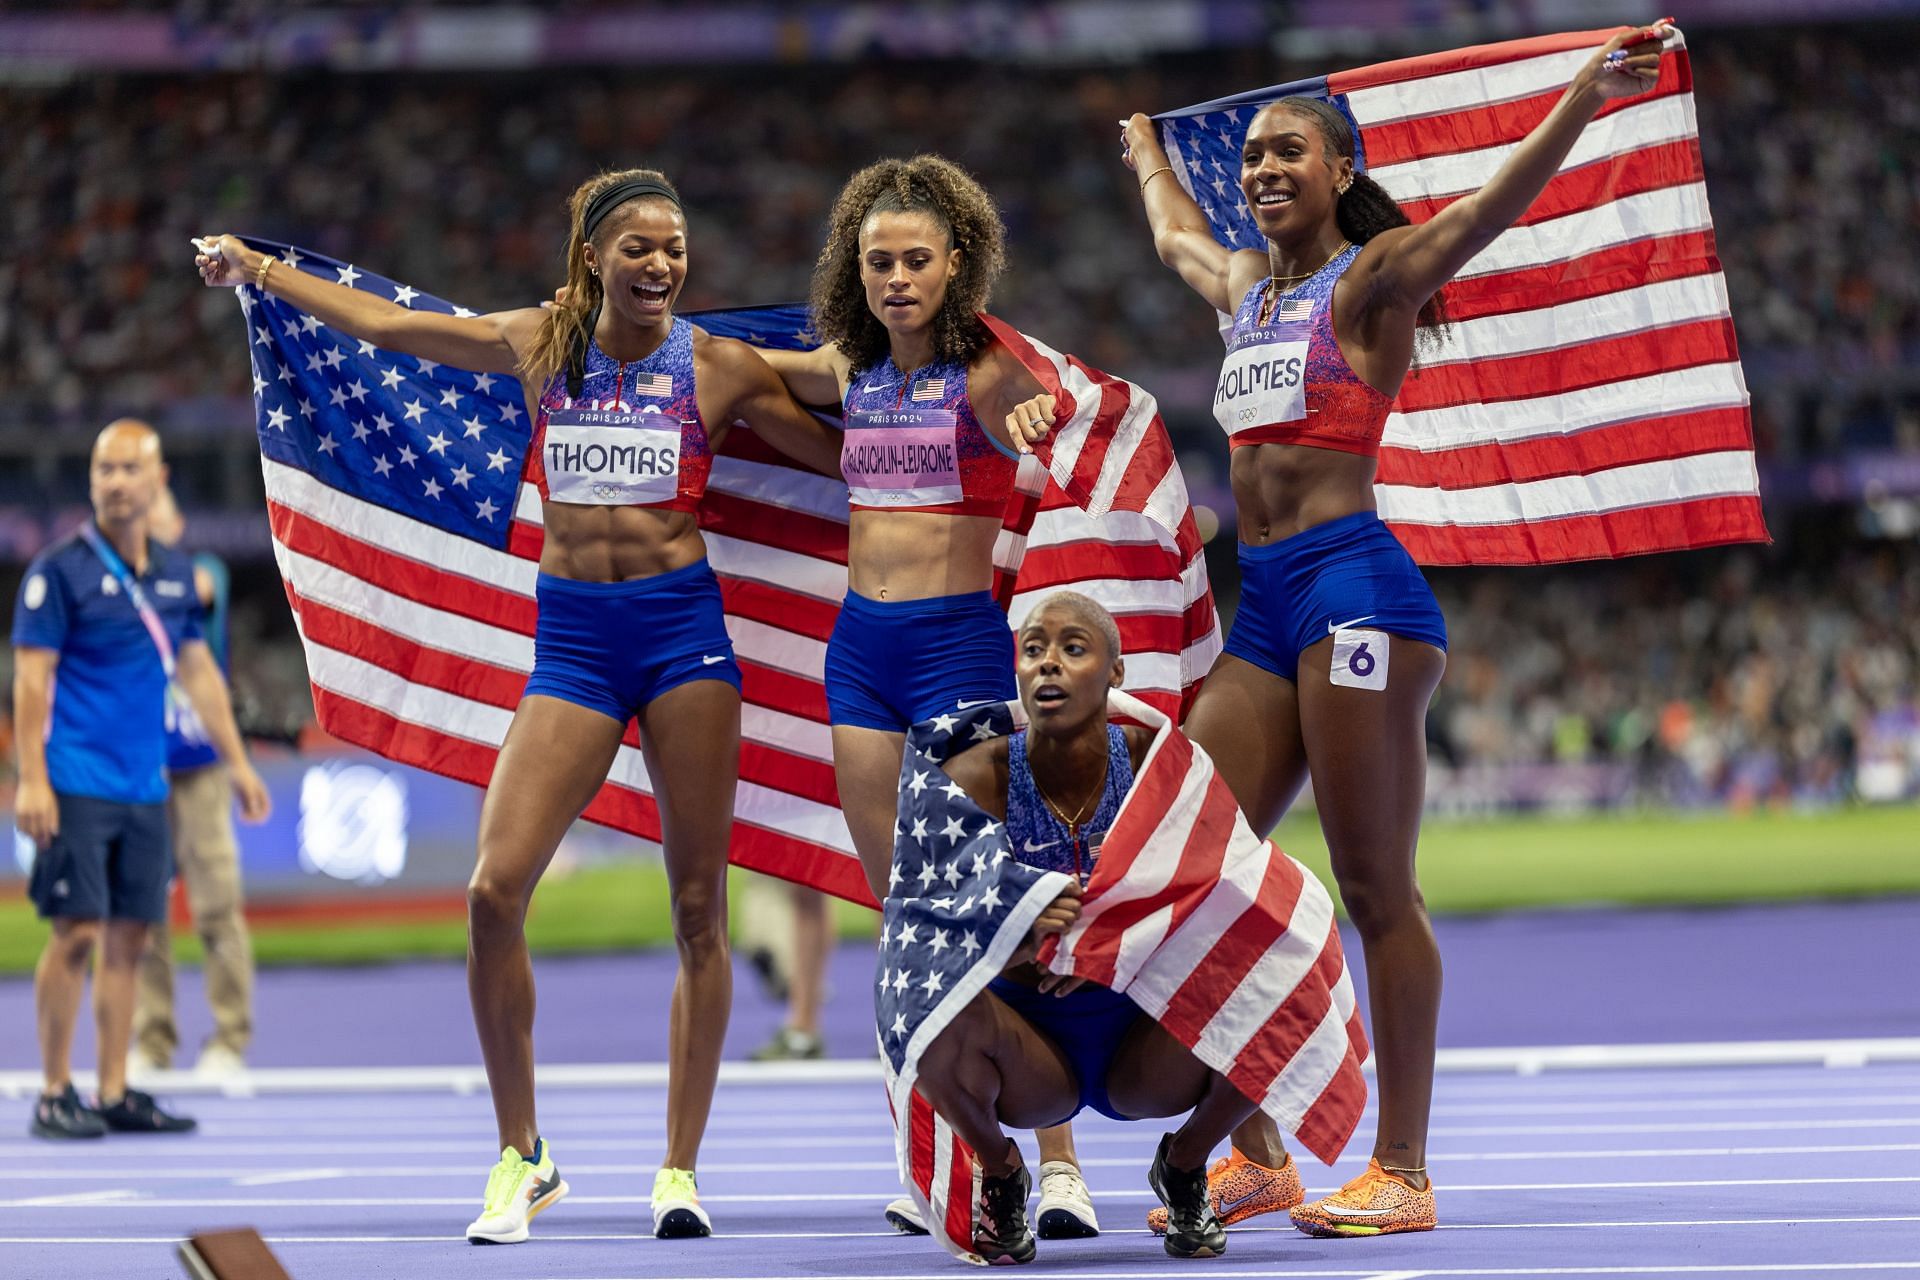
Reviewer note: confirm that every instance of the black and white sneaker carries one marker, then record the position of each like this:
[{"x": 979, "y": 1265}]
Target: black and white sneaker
[
  {"x": 63, "y": 1115},
  {"x": 137, "y": 1112},
  {"x": 1001, "y": 1233},
  {"x": 1193, "y": 1229}
]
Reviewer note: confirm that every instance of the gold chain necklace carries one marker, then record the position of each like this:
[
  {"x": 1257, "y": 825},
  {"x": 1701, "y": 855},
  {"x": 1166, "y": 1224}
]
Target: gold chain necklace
[
  {"x": 1073, "y": 823},
  {"x": 1282, "y": 281}
]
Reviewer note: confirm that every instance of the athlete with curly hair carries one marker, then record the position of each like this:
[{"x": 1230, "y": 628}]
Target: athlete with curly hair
[
  {"x": 629, "y": 403},
  {"x": 1338, "y": 645},
  {"x": 937, "y": 415}
]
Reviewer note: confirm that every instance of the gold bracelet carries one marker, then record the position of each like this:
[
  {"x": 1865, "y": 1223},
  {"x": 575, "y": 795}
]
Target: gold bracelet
[
  {"x": 1165, "y": 168},
  {"x": 260, "y": 272}
]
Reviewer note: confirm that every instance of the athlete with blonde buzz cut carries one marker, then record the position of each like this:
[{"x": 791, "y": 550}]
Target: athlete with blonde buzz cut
[{"x": 629, "y": 403}]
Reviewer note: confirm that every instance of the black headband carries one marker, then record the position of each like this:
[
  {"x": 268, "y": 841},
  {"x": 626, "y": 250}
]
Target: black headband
[{"x": 618, "y": 194}]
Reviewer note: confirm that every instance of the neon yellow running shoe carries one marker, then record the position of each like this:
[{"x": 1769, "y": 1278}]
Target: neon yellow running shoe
[
  {"x": 517, "y": 1189},
  {"x": 676, "y": 1206}
]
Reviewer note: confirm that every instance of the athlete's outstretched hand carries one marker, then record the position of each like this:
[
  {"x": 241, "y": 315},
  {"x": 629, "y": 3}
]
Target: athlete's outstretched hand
[
  {"x": 221, "y": 261},
  {"x": 1628, "y": 64},
  {"x": 1029, "y": 424}
]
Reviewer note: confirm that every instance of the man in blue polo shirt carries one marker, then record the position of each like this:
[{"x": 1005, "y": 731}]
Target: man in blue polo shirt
[{"x": 107, "y": 654}]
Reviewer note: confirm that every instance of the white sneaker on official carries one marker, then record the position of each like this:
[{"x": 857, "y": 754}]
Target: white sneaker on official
[
  {"x": 217, "y": 1062},
  {"x": 904, "y": 1216},
  {"x": 1066, "y": 1206},
  {"x": 142, "y": 1066},
  {"x": 517, "y": 1190},
  {"x": 676, "y": 1206}
]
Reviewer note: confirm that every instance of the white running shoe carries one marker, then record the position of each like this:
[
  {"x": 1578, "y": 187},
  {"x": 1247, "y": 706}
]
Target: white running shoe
[
  {"x": 1066, "y": 1206},
  {"x": 217, "y": 1062},
  {"x": 517, "y": 1189},
  {"x": 676, "y": 1206},
  {"x": 904, "y": 1216}
]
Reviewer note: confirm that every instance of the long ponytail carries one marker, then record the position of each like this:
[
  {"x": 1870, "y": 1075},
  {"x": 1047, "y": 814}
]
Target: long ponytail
[
  {"x": 1364, "y": 209},
  {"x": 561, "y": 342}
]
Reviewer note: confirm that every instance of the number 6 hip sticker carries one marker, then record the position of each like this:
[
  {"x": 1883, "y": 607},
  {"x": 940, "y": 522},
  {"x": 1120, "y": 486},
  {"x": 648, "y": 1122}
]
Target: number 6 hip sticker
[{"x": 1360, "y": 659}]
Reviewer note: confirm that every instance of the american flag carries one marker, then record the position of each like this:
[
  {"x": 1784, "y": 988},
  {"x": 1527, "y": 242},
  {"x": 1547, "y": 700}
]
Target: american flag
[
  {"x": 931, "y": 389},
  {"x": 1227, "y": 942},
  {"x": 654, "y": 384},
  {"x": 408, "y": 542},
  {"x": 1588, "y": 401}
]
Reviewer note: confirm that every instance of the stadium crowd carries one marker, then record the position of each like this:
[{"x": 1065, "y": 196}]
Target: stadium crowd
[{"x": 455, "y": 184}]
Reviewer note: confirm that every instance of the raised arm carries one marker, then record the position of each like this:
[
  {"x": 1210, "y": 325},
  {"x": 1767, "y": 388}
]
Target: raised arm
[
  {"x": 1181, "y": 234},
  {"x": 1403, "y": 268},
  {"x": 484, "y": 344},
  {"x": 757, "y": 396},
  {"x": 818, "y": 376}
]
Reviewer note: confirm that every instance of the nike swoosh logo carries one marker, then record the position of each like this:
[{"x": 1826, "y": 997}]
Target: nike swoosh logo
[
  {"x": 964, "y": 705},
  {"x": 869, "y": 389},
  {"x": 1035, "y": 848},
  {"x": 1228, "y": 1206},
  {"x": 711, "y": 658},
  {"x": 1342, "y": 626},
  {"x": 1347, "y": 1211}
]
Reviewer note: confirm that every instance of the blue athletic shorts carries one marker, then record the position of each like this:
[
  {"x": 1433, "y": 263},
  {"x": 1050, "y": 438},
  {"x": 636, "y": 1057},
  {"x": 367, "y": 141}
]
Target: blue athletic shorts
[
  {"x": 111, "y": 861},
  {"x": 1347, "y": 572},
  {"x": 894, "y": 663},
  {"x": 613, "y": 647},
  {"x": 1087, "y": 1024}
]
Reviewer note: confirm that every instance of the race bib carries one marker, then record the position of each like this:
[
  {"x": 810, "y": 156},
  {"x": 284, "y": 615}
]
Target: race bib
[
  {"x": 1360, "y": 658},
  {"x": 1264, "y": 379},
  {"x": 611, "y": 457},
  {"x": 902, "y": 458}
]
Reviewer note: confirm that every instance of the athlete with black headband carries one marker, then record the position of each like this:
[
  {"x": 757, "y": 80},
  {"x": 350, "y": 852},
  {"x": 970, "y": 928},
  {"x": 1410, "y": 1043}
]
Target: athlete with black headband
[{"x": 629, "y": 402}]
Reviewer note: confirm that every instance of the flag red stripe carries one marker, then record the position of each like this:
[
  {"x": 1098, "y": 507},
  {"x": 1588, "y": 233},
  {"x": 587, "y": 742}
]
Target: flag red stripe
[
  {"x": 1583, "y": 452},
  {"x": 1241, "y": 946},
  {"x": 1699, "y": 522},
  {"x": 765, "y": 686},
  {"x": 1329, "y": 1123},
  {"x": 410, "y": 579},
  {"x": 1495, "y": 124},
  {"x": 793, "y": 611},
  {"x": 1599, "y": 362},
  {"x": 796, "y": 531},
  {"x": 1651, "y": 168},
  {"x": 1591, "y": 275},
  {"x": 1479, "y": 55}
]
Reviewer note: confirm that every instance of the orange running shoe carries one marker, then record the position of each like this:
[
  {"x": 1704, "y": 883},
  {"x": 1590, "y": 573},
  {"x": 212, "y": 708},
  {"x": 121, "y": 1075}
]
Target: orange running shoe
[
  {"x": 1376, "y": 1203},
  {"x": 1241, "y": 1189}
]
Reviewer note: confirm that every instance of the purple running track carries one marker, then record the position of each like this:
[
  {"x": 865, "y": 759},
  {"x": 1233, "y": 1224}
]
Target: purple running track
[
  {"x": 1775, "y": 1170},
  {"x": 1585, "y": 976}
]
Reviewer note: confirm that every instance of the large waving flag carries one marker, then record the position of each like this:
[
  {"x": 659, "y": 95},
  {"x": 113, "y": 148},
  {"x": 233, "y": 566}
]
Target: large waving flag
[
  {"x": 1226, "y": 941},
  {"x": 408, "y": 542},
  {"x": 1588, "y": 401}
]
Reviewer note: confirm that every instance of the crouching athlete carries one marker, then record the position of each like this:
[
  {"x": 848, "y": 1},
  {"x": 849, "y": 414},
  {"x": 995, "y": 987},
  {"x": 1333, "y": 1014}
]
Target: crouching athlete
[{"x": 1036, "y": 1048}]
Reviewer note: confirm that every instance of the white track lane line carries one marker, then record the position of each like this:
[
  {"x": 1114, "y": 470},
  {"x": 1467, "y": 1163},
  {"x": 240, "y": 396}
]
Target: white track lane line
[
  {"x": 251, "y": 1177},
  {"x": 883, "y": 1193}
]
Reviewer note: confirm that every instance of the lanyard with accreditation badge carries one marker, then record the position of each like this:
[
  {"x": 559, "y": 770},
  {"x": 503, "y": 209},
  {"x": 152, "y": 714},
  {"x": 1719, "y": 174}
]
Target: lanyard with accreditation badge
[{"x": 180, "y": 713}]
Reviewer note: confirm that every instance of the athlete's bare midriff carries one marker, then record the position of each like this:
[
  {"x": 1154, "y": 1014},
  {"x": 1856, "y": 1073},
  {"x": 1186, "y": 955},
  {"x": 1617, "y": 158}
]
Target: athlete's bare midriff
[
  {"x": 617, "y": 544},
  {"x": 919, "y": 555},
  {"x": 1282, "y": 489}
]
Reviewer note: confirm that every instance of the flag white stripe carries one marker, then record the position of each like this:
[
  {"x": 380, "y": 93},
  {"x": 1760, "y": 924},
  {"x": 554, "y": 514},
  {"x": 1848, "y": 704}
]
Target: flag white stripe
[
  {"x": 1707, "y": 475},
  {"x": 1658, "y": 395},
  {"x": 1627, "y": 220},
  {"x": 1188, "y": 948},
  {"x": 1461, "y": 90},
  {"x": 777, "y": 566},
  {"x": 771, "y": 646},
  {"x": 327, "y": 584},
  {"x": 391, "y": 531},
  {"x": 787, "y": 488},
  {"x": 1631, "y": 129},
  {"x": 1660, "y": 305},
  {"x": 1288, "y": 960}
]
